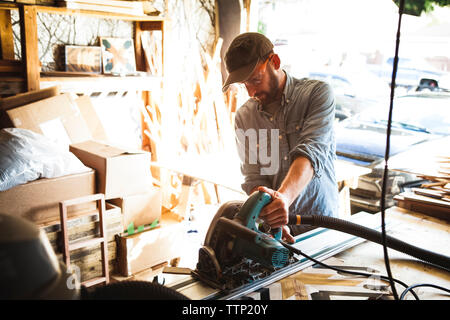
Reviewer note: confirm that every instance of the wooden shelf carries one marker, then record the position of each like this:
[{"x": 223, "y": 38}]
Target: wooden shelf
[
  {"x": 8, "y": 6},
  {"x": 29, "y": 67},
  {"x": 102, "y": 83},
  {"x": 97, "y": 14},
  {"x": 12, "y": 85}
]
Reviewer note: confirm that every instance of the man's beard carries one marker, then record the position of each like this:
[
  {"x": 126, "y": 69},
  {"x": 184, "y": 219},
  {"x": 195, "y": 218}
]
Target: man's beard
[{"x": 270, "y": 96}]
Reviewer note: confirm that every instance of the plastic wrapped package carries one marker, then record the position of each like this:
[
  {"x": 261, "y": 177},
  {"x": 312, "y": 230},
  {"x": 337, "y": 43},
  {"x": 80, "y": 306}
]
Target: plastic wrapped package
[{"x": 26, "y": 156}]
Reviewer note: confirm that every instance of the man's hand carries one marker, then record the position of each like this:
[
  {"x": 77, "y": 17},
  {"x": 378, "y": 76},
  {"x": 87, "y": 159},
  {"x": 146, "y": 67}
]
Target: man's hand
[
  {"x": 276, "y": 213},
  {"x": 286, "y": 235}
]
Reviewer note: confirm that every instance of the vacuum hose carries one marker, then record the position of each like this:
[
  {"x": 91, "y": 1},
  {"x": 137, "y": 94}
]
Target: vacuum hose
[{"x": 433, "y": 258}]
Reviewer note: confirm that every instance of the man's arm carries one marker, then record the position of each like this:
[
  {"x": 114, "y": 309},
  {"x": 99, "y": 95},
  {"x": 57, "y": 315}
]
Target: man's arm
[
  {"x": 299, "y": 175},
  {"x": 313, "y": 144}
]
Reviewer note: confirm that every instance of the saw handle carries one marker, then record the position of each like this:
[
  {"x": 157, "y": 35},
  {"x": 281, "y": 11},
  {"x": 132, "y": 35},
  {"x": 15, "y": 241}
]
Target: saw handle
[
  {"x": 251, "y": 209},
  {"x": 276, "y": 233}
]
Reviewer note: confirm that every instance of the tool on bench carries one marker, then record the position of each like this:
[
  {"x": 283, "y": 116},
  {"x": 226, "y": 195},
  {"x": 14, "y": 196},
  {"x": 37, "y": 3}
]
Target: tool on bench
[{"x": 236, "y": 250}]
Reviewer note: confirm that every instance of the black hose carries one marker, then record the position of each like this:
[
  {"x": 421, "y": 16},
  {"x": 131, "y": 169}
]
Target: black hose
[{"x": 433, "y": 258}]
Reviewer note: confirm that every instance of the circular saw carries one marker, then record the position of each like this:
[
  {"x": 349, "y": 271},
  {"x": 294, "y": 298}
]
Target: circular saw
[{"x": 236, "y": 249}]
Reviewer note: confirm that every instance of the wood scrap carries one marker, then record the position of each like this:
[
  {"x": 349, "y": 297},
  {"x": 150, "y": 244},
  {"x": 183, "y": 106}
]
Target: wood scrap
[
  {"x": 193, "y": 121},
  {"x": 436, "y": 194},
  {"x": 439, "y": 208},
  {"x": 432, "y": 184}
]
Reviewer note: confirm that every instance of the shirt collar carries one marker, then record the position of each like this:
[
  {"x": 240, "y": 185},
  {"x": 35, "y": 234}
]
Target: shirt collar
[
  {"x": 285, "y": 97},
  {"x": 287, "y": 92}
]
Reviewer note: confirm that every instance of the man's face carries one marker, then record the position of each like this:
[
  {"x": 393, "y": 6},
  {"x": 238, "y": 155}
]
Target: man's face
[{"x": 262, "y": 84}]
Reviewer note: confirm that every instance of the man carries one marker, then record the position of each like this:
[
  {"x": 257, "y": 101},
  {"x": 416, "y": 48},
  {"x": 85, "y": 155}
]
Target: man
[{"x": 299, "y": 115}]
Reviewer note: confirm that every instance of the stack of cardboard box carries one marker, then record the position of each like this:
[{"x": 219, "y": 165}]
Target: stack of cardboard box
[
  {"x": 133, "y": 215},
  {"x": 124, "y": 177},
  {"x": 58, "y": 117}
]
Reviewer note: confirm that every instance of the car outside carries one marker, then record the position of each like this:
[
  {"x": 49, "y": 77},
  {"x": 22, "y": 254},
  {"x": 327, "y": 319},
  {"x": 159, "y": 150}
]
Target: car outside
[
  {"x": 354, "y": 93},
  {"x": 412, "y": 74},
  {"x": 418, "y": 119}
]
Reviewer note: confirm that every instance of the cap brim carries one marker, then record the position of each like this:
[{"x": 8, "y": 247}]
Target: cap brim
[{"x": 239, "y": 75}]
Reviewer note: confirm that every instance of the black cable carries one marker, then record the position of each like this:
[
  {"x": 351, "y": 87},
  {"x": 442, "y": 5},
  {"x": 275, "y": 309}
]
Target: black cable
[
  {"x": 298, "y": 251},
  {"x": 386, "y": 157},
  {"x": 436, "y": 259},
  {"x": 421, "y": 285}
]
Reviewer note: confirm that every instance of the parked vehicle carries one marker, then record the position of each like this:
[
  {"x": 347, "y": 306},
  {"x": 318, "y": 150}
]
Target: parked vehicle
[
  {"x": 354, "y": 93},
  {"x": 412, "y": 74},
  {"x": 418, "y": 119}
]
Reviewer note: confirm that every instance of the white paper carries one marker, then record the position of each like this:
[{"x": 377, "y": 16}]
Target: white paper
[{"x": 54, "y": 130}]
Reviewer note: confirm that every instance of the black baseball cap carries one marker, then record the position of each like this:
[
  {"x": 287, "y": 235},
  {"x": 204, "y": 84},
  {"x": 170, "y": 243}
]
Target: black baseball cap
[{"x": 243, "y": 54}]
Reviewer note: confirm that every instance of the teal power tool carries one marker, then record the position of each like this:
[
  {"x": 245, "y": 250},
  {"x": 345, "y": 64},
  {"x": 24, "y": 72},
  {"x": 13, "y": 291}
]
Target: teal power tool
[{"x": 236, "y": 250}]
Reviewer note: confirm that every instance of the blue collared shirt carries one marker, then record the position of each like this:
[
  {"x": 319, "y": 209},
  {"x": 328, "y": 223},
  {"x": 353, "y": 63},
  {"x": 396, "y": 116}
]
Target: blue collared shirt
[{"x": 304, "y": 125}]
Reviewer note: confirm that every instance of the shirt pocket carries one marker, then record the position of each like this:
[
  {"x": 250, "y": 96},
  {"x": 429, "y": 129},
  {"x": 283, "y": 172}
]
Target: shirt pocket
[{"x": 293, "y": 131}]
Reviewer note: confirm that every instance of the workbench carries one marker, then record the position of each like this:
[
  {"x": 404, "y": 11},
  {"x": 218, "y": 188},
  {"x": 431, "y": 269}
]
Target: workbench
[
  {"x": 414, "y": 228},
  {"x": 313, "y": 282}
]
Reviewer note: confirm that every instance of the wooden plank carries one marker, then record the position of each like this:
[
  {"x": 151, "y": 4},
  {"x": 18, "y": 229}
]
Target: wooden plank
[
  {"x": 139, "y": 54},
  {"x": 63, "y": 217},
  {"x": 6, "y": 35},
  {"x": 151, "y": 25},
  {"x": 424, "y": 207},
  {"x": 91, "y": 256},
  {"x": 102, "y": 83},
  {"x": 436, "y": 194},
  {"x": 109, "y": 3},
  {"x": 93, "y": 281},
  {"x": 424, "y": 199},
  {"x": 28, "y": 97},
  {"x": 101, "y": 8},
  {"x": 84, "y": 243},
  {"x": 8, "y": 6},
  {"x": 98, "y": 14},
  {"x": 41, "y": 2},
  {"x": 12, "y": 85},
  {"x": 11, "y": 66},
  {"x": 89, "y": 198},
  {"x": 29, "y": 41}
]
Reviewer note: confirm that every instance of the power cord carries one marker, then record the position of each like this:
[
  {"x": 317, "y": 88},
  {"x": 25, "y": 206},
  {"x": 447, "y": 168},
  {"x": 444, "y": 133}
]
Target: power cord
[
  {"x": 386, "y": 157},
  {"x": 404, "y": 293},
  {"x": 298, "y": 251}
]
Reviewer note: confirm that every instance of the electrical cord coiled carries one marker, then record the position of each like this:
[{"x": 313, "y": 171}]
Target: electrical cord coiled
[{"x": 430, "y": 257}]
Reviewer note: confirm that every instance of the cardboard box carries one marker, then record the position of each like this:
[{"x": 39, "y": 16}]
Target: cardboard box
[
  {"x": 149, "y": 248},
  {"x": 91, "y": 117},
  {"x": 57, "y": 118},
  {"x": 119, "y": 172},
  {"x": 38, "y": 200},
  {"x": 22, "y": 99},
  {"x": 140, "y": 209}
]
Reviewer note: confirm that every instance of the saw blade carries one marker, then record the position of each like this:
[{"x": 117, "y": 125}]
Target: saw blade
[{"x": 227, "y": 210}]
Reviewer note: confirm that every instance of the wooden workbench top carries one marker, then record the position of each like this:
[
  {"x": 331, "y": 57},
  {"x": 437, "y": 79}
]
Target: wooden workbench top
[{"x": 416, "y": 229}]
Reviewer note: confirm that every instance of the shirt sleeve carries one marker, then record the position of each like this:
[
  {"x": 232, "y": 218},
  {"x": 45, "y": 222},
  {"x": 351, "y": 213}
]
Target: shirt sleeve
[
  {"x": 251, "y": 170},
  {"x": 316, "y": 137}
]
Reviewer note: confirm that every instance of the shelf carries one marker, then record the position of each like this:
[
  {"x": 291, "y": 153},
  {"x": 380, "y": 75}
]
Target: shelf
[
  {"x": 29, "y": 67},
  {"x": 102, "y": 83},
  {"x": 12, "y": 85},
  {"x": 97, "y": 14}
]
